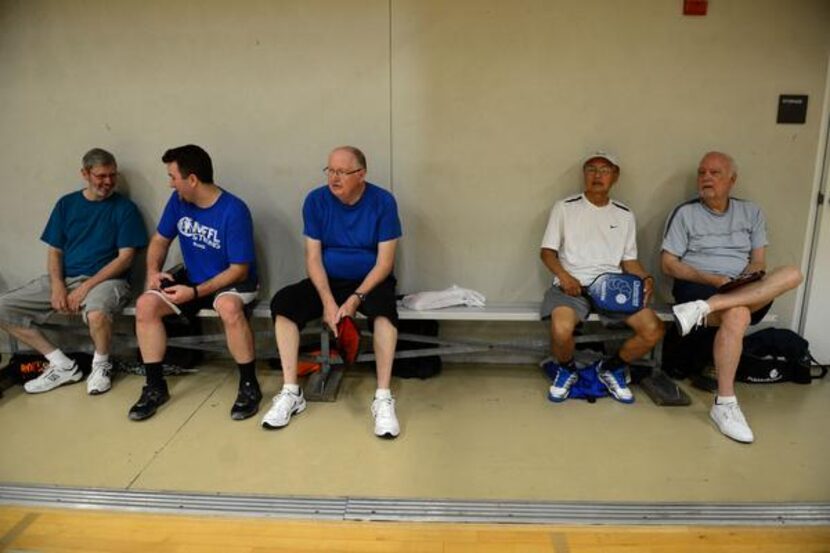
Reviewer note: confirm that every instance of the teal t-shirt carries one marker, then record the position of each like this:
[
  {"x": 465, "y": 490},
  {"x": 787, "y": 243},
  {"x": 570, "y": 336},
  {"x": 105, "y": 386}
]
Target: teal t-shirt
[{"x": 90, "y": 233}]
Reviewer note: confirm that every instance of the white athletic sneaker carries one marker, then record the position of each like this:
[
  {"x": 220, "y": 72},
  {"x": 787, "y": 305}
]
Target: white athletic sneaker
[
  {"x": 690, "y": 315},
  {"x": 53, "y": 377},
  {"x": 283, "y": 406},
  {"x": 386, "y": 423},
  {"x": 98, "y": 380},
  {"x": 731, "y": 422}
]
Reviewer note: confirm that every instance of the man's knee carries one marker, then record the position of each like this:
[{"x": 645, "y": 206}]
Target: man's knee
[
  {"x": 230, "y": 309},
  {"x": 736, "y": 319},
  {"x": 98, "y": 319},
  {"x": 650, "y": 328},
  {"x": 791, "y": 276},
  {"x": 562, "y": 323},
  {"x": 148, "y": 308}
]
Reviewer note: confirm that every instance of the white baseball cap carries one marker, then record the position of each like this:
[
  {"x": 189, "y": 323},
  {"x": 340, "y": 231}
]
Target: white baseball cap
[{"x": 610, "y": 158}]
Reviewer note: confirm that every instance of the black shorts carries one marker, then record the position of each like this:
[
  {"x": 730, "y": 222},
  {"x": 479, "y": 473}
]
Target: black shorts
[
  {"x": 301, "y": 303},
  {"x": 685, "y": 291}
]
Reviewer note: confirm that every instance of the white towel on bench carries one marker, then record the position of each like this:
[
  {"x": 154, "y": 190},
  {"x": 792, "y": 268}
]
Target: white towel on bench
[{"x": 454, "y": 295}]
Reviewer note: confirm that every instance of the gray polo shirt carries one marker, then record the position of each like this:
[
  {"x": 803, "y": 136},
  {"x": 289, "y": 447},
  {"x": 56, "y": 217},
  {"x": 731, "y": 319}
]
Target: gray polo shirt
[{"x": 718, "y": 243}]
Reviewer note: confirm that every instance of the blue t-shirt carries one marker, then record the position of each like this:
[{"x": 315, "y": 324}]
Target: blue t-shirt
[
  {"x": 350, "y": 233},
  {"x": 90, "y": 233},
  {"x": 211, "y": 239}
]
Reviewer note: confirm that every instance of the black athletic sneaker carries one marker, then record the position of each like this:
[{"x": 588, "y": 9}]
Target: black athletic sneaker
[
  {"x": 152, "y": 397},
  {"x": 247, "y": 401}
]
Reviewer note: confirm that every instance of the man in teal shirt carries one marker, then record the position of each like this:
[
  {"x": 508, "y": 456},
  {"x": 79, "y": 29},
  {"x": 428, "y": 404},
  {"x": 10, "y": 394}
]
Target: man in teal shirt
[{"x": 92, "y": 236}]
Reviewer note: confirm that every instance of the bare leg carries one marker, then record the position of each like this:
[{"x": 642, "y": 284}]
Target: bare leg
[
  {"x": 728, "y": 347},
  {"x": 757, "y": 294},
  {"x": 385, "y": 339},
  {"x": 100, "y": 329},
  {"x": 237, "y": 329},
  {"x": 648, "y": 330},
  {"x": 32, "y": 337},
  {"x": 149, "y": 328},
  {"x": 563, "y": 321},
  {"x": 288, "y": 345}
]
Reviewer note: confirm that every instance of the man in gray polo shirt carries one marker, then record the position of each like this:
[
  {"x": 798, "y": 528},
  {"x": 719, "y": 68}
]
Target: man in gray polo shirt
[{"x": 710, "y": 241}]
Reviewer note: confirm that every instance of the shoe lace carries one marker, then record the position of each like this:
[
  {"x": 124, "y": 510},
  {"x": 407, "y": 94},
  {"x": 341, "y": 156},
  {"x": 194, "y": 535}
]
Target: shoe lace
[
  {"x": 733, "y": 412},
  {"x": 700, "y": 320},
  {"x": 564, "y": 378},
  {"x": 284, "y": 402},
  {"x": 101, "y": 370},
  {"x": 148, "y": 394},
  {"x": 384, "y": 408},
  {"x": 51, "y": 373}
]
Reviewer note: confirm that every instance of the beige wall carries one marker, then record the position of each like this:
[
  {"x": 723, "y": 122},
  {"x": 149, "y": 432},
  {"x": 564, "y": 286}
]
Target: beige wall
[{"x": 474, "y": 112}]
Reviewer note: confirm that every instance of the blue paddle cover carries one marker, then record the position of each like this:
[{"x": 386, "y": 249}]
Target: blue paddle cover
[{"x": 617, "y": 293}]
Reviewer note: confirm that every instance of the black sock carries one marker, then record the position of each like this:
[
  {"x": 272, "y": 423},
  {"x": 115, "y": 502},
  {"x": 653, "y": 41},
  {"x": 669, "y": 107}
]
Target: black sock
[
  {"x": 155, "y": 376},
  {"x": 615, "y": 362},
  {"x": 247, "y": 373}
]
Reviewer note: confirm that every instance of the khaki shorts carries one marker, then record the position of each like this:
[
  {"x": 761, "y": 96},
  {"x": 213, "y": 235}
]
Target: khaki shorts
[{"x": 32, "y": 302}]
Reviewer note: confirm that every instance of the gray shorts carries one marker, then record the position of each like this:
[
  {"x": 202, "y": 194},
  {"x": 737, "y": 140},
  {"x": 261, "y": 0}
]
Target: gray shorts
[
  {"x": 555, "y": 297},
  {"x": 32, "y": 302}
]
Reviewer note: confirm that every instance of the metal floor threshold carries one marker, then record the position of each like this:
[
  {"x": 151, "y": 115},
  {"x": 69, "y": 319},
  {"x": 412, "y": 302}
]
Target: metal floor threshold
[{"x": 422, "y": 510}]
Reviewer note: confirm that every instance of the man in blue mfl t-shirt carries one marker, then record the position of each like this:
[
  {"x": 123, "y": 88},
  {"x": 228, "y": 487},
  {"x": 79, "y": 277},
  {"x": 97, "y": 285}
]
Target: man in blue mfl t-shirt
[
  {"x": 216, "y": 236},
  {"x": 352, "y": 230},
  {"x": 710, "y": 241},
  {"x": 92, "y": 235}
]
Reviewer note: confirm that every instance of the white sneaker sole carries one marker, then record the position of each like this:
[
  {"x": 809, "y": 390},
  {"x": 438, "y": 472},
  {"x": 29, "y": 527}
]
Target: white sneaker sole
[
  {"x": 75, "y": 378},
  {"x": 296, "y": 411}
]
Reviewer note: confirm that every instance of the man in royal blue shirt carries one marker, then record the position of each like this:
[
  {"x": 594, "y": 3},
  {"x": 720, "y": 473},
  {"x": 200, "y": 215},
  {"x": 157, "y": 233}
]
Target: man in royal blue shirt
[
  {"x": 216, "y": 237},
  {"x": 352, "y": 230},
  {"x": 92, "y": 235}
]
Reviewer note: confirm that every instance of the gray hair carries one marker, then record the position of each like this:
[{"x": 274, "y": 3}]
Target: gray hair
[
  {"x": 358, "y": 155},
  {"x": 730, "y": 161},
  {"x": 97, "y": 156}
]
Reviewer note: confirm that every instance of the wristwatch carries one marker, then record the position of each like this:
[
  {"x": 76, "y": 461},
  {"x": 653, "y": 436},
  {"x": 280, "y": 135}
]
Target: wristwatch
[{"x": 361, "y": 296}]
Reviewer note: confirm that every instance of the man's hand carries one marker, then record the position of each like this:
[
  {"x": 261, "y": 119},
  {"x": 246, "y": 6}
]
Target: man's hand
[
  {"x": 179, "y": 294},
  {"x": 570, "y": 285},
  {"x": 331, "y": 315},
  {"x": 154, "y": 280},
  {"x": 76, "y": 297},
  {"x": 648, "y": 289},
  {"x": 349, "y": 307},
  {"x": 720, "y": 280},
  {"x": 58, "y": 298}
]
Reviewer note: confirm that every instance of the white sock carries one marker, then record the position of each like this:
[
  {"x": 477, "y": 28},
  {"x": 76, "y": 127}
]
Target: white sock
[
  {"x": 725, "y": 400},
  {"x": 383, "y": 393},
  {"x": 293, "y": 388},
  {"x": 708, "y": 308},
  {"x": 59, "y": 359},
  {"x": 100, "y": 358}
]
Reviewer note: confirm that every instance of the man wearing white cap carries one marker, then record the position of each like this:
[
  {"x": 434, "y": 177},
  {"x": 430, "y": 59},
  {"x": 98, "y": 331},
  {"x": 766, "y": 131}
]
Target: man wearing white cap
[{"x": 587, "y": 235}]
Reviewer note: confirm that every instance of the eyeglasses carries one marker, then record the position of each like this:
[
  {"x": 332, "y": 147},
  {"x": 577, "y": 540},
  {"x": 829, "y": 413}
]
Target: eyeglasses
[
  {"x": 102, "y": 176},
  {"x": 604, "y": 171},
  {"x": 329, "y": 172}
]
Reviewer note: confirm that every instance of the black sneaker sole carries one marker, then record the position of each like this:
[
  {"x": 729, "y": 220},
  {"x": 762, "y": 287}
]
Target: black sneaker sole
[
  {"x": 133, "y": 416},
  {"x": 242, "y": 415}
]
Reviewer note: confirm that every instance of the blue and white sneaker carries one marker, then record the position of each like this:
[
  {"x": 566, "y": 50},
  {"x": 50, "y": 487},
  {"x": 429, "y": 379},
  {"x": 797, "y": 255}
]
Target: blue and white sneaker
[
  {"x": 614, "y": 380},
  {"x": 562, "y": 382}
]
